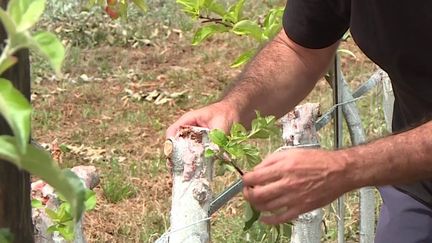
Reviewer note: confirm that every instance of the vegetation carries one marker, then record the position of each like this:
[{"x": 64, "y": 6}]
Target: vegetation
[
  {"x": 17, "y": 19},
  {"x": 125, "y": 82}
]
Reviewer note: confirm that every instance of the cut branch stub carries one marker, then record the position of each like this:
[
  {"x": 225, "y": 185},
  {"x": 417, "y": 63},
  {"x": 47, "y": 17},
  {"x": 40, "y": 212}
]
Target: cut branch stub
[{"x": 191, "y": 193}]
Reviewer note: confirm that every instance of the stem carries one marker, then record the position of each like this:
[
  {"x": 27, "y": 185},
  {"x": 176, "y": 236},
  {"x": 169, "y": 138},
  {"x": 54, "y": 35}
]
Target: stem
[
  {"x": 224, "y": 157},
  {"x": 7, "y": 51},
  {"x": 206, "y": 19}
]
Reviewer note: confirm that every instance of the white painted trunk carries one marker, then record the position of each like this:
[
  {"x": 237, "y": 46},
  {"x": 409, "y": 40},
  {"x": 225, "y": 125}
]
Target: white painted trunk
[
  {"x": 191, "y": 193},
  {"x": 41, "y": 221},
  {"x": 307, "y": 227},
  {"x": 299, "y": 131},
  {"x": 388, "y": 101}
]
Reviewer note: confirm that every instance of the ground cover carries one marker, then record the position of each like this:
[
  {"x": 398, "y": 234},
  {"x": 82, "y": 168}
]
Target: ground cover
[{"x": 123, "y": 84}]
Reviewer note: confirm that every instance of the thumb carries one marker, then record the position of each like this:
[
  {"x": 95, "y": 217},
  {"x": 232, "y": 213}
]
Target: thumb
[
  {"x": 185, "y": 120},
  {"x": 221, "y": 123}
]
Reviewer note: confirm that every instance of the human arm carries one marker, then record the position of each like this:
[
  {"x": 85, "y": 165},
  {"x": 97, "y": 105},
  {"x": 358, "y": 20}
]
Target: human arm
[
  {"x": 277, "y": 79},
  {"x": 297, "y": 181}
]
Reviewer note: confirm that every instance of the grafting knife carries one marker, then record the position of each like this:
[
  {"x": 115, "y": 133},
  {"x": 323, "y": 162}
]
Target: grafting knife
[{"x": 225, "y": 196}]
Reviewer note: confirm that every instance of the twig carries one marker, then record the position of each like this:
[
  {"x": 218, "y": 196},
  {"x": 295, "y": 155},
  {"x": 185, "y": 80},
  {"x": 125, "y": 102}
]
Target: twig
[
  {"x": 206, "y": 19},
  {"x": 225, "y": 157}
]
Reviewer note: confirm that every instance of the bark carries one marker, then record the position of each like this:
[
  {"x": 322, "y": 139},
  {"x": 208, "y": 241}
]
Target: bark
[
  {"x": 299, "y": 131},
  {"x": 191, "y": 193},
  {"x": 44, "y": 192},
  {"x": 15, "y": 209}
]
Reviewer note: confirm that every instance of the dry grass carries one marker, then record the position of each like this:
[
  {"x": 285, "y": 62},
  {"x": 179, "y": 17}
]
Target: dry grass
[{"x": 123, "y": 137}]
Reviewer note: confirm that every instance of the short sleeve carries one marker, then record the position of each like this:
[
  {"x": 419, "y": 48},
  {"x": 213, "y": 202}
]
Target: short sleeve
[{"x": 316, "y": 23}]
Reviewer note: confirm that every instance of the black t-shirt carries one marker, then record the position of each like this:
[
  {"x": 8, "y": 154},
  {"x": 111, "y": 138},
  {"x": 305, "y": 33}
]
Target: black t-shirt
[{"x": 396, "y": 35}]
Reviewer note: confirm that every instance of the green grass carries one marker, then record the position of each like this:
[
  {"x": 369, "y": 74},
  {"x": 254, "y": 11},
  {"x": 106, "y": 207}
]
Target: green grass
[{"x": 116, "y": 186}]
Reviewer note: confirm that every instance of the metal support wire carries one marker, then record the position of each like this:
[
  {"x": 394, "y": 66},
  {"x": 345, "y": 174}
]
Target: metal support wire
[{"x": 338, "y": 140}]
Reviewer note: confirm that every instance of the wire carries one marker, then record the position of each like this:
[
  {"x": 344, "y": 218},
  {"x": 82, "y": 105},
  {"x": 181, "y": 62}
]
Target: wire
[{"x": 165, "y": 236}]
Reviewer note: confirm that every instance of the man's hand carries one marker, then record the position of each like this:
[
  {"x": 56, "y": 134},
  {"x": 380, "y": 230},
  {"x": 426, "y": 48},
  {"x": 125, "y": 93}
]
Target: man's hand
[
  {"x": 295, "y": 181},
  {"x": 219, "y": 115}
]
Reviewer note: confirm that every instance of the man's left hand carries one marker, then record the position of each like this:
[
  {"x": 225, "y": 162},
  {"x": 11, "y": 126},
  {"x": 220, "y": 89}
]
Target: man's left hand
[{"x": 296, "y": 181}]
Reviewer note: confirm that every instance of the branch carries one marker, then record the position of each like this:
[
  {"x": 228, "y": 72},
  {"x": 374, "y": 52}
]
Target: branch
[{"x": 206, "y": 19}]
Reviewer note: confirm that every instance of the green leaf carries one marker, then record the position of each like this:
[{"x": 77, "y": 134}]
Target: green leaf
[
  {"x": 63, "y": 213},
  {"x": 252, "y": 154},
  {"x": 21, "y": 40},
  {"x": 90, "y": 200},
  {"x": 65, "y": 182},
  {"x": 36, "y": 203},
  {"x": 52, "y": 214},
  {"x": 17, "y": 111},
  {"x": 8, "y": 150},
  {"x": 208, "y": 153},
  {"x": 7, "y": 23},
  {"x": 32, "y": 15},
  {"x": 40, "y": 164},
  {"x": 238, "y": 9},
  {"x": 218, "y": 137},
  {"x": 248, "y": 27},
  {"x": 223, "y": 167},
  {"x": 271, "y": 31},
  {"x": 67, "y": 231},
  {"x": 237, "y": 130},
  {"x": 235, "y": 150},
  {"x": 235, "y": 12},
  {"x": 26, "y": 13},
  {"x": 141, "y": 5},
  {"x": 273, "y": 16},
  {"x": 214, "y": 7},
  {"x": 189, "y": 6},
  {"x": 206, "y": 31},
  {"x": 52, "y": 228},
  {"x": 16, "y": 9},
  {"x": 6, "y": 236},
  {"x": 263, "y": 127},
  {"x": 252, "y": 215},
  {"x": 8, "y": 62},
  {"x": 51, "y": 47},
  {"x": 243, "y": 58}
]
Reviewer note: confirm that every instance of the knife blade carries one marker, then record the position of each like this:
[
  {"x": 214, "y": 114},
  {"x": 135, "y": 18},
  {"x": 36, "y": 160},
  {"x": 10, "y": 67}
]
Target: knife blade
[{"x": 221, "y": 199}]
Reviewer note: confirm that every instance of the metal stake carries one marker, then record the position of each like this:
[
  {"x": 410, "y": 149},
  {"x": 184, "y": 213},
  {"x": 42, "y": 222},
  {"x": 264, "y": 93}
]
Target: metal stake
[{"x": 338, "y": 140}]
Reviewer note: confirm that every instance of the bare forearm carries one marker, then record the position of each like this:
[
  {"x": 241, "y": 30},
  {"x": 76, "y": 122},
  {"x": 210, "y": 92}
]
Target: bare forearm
[
  {"x": 278, "y": 78},
  {"x": 396, "y": 159}
]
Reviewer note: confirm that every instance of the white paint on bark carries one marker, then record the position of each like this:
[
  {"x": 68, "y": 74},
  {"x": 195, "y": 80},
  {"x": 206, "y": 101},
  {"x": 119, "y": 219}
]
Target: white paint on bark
[
  {"x": 388, "y": 102},
  {"x": 299, "y": 131},
  {"x": 44, "y": 192},
  {"x": 191, "y": 193}
]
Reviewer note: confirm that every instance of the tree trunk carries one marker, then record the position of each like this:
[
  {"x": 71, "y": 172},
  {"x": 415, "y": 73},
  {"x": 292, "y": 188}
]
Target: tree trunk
[
  {"x": 299, "y": 131},
  {"x": 388, "y": 102},
  {"x": 15, "y": 209},
  {"x": 43, "y": 191},
  {"x": 192, "y": 175}
]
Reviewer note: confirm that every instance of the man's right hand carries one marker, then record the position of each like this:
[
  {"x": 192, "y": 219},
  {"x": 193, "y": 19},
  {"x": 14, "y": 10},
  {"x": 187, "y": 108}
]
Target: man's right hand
[{"x": 219, "y": 115}]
